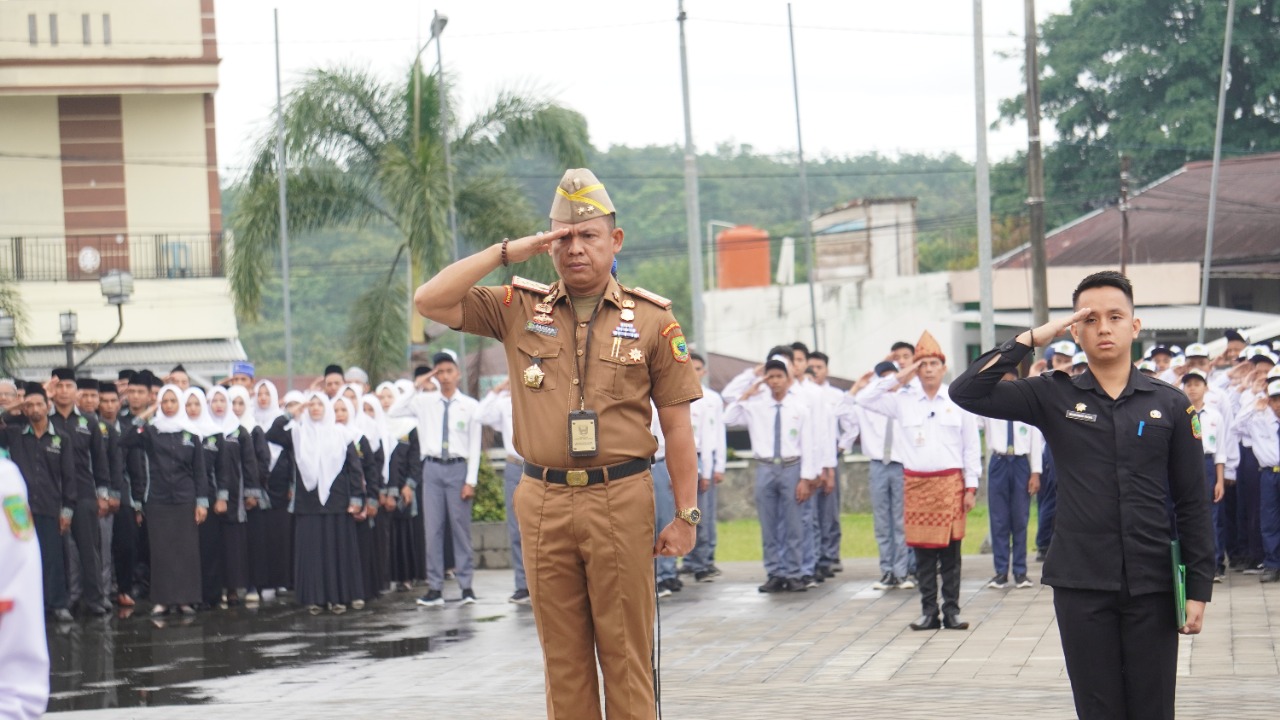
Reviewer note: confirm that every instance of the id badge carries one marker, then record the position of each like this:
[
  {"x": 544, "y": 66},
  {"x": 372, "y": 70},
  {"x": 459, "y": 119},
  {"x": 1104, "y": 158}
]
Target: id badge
[{"x": 584, "y": 433}]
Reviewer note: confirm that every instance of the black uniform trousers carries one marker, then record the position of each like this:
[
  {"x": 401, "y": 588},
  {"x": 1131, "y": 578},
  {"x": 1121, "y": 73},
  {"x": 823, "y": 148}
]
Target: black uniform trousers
[
  {"x": 87, "y": 537},
  {"x": 51, "y": 561},
  {"x": 124, "y": 548},
  {"x": 930, "y": 563},
  {"x": 1121, "y": 652}
]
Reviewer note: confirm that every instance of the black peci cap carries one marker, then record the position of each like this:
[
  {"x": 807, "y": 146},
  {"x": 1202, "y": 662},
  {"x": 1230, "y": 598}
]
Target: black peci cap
[
  {"x": 776, "y": 365},
  {"x": 87, "y": 384},
  {"x": 35, "y": 388},
  {"x": 64, "y": 373},
  {"x": 885, "y": 366},
  {"x": 421, "y": 370},
  {"x": 444, "y": 357},
  {"x": 333, "y": 370},
  {"x": 126, "y": 375}
]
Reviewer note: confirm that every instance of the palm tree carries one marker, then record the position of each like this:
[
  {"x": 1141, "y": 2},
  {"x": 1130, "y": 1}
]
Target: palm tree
[{"x": 354, "y": 159}]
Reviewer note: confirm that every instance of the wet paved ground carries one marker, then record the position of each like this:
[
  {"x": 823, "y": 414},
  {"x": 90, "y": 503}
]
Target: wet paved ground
[{"x": 728, "y": 652}]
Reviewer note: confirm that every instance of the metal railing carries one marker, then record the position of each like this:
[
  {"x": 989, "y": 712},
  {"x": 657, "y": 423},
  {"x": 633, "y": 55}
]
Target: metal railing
[{"x": 88, "y": 257}]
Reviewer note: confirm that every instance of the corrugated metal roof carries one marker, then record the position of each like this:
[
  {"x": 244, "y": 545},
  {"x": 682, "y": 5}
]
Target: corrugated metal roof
[
  {"x": 1155, "y": 318},
  {"x": 1167, "y": 222},
  {"x": 137, "y": 355}
]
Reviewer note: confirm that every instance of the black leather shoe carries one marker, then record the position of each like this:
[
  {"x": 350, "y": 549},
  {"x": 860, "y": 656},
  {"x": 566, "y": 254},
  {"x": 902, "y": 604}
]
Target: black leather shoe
[
  {"x": 773, "y": 585},
  {"x": 1269, "y": 576},
  {"x": 953, "y": 622},
  {"x": 925, "y": 622},
  {"x": 798, "y": 585}
]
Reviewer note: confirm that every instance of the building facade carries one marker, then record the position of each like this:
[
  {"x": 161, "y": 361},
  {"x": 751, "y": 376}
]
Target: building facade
[{"x": 108, "y": 163}]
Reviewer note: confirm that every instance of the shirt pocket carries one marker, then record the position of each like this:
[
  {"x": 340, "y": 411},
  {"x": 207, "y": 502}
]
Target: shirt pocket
[
  {"x": 544, "y": 353},
  {"x": 622, "y": 378}
]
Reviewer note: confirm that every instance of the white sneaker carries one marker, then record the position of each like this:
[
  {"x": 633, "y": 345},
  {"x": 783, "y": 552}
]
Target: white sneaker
[
  {"x": 268, "y": 595},
  {"x": 907, "y": 584},
  {"x": 252, "y": 597},
  {"x": 664, "y": 591}
]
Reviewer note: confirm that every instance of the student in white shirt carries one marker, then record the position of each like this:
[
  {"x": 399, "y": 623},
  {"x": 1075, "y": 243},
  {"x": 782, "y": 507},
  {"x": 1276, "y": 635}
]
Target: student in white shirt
[
  {"x": 1212, "y": 429},
  {"x": 780, "y": 423},
  {"x": 827, "y": 500},
  {"x": 707, "y": 417},
  {"x": 1012, "y": 478},
  {"x": 495, "y": 412},
  {"x": 881, "y": 440},
  {"x": 1264, "y": 431},
  {"x": 449, "y": 437}
]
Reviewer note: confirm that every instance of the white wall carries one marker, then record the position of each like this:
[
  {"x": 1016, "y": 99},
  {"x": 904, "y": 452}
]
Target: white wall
[{"x": 857, "y": 321}]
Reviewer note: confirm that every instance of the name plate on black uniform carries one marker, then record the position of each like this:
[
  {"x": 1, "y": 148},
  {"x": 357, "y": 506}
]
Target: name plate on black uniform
[{"x": 584, "y": 433}]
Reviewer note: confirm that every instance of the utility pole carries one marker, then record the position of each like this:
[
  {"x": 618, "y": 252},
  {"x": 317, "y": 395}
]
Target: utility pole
[
  {"x": 1035, "y": 175},
  {"x": 1124, "y": 211},
  {"x": 804, "y": 185},
  {"x": 281, "y": 168},
  {"x": 986, "y": 304},
  {"x": 692, "y": 217},
  {"x": 1217, "y": 164}
]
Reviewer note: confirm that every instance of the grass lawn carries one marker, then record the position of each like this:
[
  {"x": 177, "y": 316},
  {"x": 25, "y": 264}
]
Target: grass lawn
[{"x": 740, "y": 539}]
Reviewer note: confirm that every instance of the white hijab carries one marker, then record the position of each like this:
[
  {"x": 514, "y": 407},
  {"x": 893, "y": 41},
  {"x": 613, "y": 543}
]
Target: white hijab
[
  {"x": 247, "y": 421},
  {"x": 266, "y": 416},
  {"x": 319, "y": 447},
  {"x": 397, "y": 427},
  {"x": 203, "y": 425},
  {"x": 375, "y": 428},
  {"x": 353, "y": 427},
  {"x": 170, "y": 423},
  {"x": 227, "y": 422}
]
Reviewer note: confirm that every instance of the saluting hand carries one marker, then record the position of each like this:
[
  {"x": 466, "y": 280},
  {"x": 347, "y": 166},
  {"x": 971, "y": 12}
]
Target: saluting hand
[
  {"x": 530, "y": 246},
  {"x": 863, "y": 381},
  {"x": 1045, "y": 334}
]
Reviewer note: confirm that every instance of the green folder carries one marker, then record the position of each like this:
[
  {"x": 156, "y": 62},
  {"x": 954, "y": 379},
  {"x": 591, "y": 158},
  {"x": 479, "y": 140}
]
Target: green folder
[{"x": 1179, "y": 582}]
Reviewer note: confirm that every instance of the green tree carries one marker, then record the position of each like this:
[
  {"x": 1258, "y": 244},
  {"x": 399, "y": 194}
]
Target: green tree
[
  {"x": 362, "y": 155},
  {"x": 1140, "y": 77}
]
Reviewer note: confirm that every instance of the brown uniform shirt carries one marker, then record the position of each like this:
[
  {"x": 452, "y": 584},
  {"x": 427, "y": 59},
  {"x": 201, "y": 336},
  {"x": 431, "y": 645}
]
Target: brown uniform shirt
[{"x": 618, "y": 387}]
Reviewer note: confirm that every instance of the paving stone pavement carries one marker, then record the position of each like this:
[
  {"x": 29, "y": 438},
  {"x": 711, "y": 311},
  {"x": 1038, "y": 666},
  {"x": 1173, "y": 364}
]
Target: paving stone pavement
[{"x": 842, "y": 650}]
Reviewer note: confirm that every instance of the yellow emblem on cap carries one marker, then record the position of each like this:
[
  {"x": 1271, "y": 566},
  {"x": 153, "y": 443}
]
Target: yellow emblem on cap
[{"x": 580, "y": 197}]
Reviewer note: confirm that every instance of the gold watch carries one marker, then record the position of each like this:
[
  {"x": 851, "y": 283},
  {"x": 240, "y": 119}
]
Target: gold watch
[{"x": 693, "y": 516}]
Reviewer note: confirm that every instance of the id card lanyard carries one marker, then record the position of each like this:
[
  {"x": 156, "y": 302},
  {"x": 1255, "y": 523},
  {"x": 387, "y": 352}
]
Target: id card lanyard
[{"x": 584, "y": 425}]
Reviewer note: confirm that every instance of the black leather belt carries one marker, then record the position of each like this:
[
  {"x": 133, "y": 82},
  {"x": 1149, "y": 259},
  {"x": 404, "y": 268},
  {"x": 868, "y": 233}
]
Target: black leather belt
[
  {"x": 591, "y": 476},
  {"x": 443, "y": 461}
]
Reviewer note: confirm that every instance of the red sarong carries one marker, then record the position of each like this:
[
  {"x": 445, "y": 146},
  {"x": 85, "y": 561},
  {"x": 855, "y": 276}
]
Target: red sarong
[{"x": 933, "y": 504}]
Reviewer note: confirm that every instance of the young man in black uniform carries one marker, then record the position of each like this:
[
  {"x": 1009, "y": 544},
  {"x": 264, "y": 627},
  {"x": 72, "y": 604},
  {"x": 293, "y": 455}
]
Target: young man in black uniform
[
  {"x": 1127, "y": 446},
  {"x": 93, "y": 482}
]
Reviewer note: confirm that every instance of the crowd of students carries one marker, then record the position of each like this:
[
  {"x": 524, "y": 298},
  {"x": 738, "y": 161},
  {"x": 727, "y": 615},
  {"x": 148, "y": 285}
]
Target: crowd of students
[
  {"x": 153, "y": 488},
  {"x": 148, "y": 487}
]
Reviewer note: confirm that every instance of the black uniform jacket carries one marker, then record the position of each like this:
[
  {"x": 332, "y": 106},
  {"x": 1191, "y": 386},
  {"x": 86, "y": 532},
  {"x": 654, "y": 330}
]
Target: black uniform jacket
[
  {"x": 173, "y": 470},
  {"x": 279, "y": 483},
  {"x": 89, "y": 453},
  {"x": 45, "y": 463},
  {"x": 1121, "y": 465},
  {"x": 347, "y": 489},
  {"x": 236, "y": 468},
  {"x": 405, "y": 467}
]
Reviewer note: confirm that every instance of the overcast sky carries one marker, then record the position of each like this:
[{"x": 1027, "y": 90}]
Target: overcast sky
[{"x": 891, "y": 77}]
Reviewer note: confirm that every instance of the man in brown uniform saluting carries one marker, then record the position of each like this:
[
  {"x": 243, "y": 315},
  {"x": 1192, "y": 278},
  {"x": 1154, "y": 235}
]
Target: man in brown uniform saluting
[{"x": 585, "y": 355}]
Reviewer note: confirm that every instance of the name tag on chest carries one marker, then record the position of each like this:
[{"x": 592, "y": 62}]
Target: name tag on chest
[{"x": 1082, "y": 416}]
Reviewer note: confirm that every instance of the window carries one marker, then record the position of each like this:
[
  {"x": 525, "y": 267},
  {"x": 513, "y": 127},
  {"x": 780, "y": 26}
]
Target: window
[
  {"x": 106, "y": 28},
  {"x": 53, "y": 29},
  {"x": 85, "y": 29},
  {"x": 33, "y": 35}
]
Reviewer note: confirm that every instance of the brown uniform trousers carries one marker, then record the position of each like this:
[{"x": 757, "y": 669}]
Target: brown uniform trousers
[{"x": 588, "y": 552}]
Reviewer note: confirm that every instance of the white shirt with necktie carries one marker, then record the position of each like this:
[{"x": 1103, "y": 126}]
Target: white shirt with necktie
[
  {"x": 706, "y": 414},
  {"x": 1013, "y": 437},
  {"x": 786, "y": 423},
  {"x": 463, "y": 436},
  {"x": 495, "y": 413}
]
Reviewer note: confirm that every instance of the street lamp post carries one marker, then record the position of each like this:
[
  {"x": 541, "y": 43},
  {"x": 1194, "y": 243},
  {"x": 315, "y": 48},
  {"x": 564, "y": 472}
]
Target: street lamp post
[
  {"x": 438, "y": 23},
  {"x": 116, "y": 287},
  {"x": 68, "y": 323}
]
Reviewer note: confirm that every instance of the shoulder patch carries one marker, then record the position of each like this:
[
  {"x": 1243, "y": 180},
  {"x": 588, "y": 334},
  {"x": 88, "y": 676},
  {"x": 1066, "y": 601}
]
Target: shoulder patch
[
  {"x": 507, "y": 299},
  {"x": 530, "y": 285},
  {"x": 668, "y": 329},
  {"x": 19, "y": 517},
  {"x": 654, "y": 298}
]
